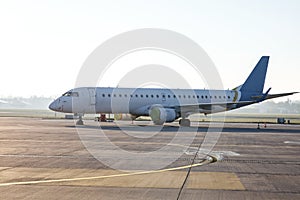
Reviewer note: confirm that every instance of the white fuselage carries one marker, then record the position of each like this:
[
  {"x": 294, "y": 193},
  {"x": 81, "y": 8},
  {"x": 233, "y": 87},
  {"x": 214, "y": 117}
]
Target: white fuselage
[{"x": 138, "y": 101}]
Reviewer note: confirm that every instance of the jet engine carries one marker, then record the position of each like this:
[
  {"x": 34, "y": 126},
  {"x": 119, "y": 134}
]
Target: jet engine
[{"x": 160, "y": 115}]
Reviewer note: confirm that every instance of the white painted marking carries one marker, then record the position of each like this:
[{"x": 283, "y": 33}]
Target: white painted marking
[{"x": 291, "y": 142}]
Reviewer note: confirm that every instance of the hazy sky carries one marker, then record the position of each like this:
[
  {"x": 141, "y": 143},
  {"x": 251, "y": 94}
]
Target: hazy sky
[{"x": 44, "y": 43}]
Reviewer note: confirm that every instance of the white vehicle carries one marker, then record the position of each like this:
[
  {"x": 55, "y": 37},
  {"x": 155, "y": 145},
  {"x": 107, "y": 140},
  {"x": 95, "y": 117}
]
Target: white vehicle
[{"x": 165, "y": 105}]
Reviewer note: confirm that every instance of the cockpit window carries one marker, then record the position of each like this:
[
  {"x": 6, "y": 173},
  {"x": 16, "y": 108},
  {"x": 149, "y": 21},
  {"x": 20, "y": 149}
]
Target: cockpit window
[{"x": 71, "y": 94}]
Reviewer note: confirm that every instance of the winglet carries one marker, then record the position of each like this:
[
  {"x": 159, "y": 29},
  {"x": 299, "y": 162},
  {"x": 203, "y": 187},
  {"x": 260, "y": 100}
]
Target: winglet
[
  {"x": 259, "y": 98},
  {"x": 266, "y": 94}
]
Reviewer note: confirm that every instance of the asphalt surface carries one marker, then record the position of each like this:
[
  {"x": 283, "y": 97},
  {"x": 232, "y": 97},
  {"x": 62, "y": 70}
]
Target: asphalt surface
[{"x": 54, "y": 159}]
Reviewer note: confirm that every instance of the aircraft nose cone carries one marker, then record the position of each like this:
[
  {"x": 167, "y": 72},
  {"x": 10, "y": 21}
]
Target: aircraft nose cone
[{"x": 53, "y": 106}]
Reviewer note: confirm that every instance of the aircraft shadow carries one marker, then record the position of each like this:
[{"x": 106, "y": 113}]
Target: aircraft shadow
[{"x": 170, "y": 128}]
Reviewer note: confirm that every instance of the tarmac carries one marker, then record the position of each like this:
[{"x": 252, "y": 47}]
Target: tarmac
[{"x": 54, "y": 159}]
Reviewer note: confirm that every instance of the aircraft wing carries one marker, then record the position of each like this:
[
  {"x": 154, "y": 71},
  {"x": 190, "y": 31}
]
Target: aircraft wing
[
  {"x": 214, "y": 106},
  {"x": 271, "y": 96}
]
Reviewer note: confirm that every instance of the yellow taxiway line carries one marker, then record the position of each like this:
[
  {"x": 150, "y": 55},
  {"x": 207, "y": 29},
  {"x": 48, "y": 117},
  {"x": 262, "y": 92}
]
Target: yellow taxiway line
[{"x": 204, "y": 162}]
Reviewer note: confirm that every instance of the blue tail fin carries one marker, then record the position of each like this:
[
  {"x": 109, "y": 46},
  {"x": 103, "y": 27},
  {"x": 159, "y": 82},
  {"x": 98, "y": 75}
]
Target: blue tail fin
[{"x": 256, "y": 80}]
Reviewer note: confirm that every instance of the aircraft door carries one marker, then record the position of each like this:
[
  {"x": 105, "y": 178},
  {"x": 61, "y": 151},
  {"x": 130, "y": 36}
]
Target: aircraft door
[{"x": 92, "y": 94}]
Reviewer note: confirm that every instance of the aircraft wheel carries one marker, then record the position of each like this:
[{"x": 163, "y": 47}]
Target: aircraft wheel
[
  {"x": 79, "y": 122},
  {"x": 185, "y": 122},
  {"x": 158, "y": 123}
]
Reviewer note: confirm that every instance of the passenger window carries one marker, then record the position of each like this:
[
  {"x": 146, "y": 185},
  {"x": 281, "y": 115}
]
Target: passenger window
[
  {"x": 141, "y": 96},
  {"x": 169, "y": 96},
  {"x": 206, "y": 96},
  {"x": 125, "y": 95},
  {"x": 152, "y": 95},
  {"x": 136, "y": 95},
  {"x": 103, "y": 95},
  {"x": 157, "y": 96},
  {"x": 108, "y": 95},
  {"x": 115, "y": 95},
  {"x": 228, "y": 97},
  {"x": 202, "y": 96},
  {"x": 120, "y": 95},
  {"x": 197, "y": 96},
  {"x": 147, "y": 96}
]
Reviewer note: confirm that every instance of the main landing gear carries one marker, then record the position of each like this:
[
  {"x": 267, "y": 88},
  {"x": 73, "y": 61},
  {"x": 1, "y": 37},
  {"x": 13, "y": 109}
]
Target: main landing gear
[{"x": 185, "y": 122}]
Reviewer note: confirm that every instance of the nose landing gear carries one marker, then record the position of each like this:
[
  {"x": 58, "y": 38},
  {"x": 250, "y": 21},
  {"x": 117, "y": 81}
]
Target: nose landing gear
[{"x": 79, "y": 121}]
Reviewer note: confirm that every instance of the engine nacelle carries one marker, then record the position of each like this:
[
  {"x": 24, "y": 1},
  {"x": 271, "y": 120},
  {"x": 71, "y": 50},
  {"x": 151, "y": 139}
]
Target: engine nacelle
[{"x": 160, "y": 115}]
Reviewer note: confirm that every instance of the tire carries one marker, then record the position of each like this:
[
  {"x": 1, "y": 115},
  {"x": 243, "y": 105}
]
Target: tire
[{"x": 185, "y": 122}]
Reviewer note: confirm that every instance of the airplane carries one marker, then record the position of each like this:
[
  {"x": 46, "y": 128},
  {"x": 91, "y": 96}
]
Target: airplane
[{"x": 165, "y": 105}]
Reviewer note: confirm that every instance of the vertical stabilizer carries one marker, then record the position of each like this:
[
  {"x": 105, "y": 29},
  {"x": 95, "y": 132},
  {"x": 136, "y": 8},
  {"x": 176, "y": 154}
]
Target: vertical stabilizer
[{"x": 256, "y": 80}]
